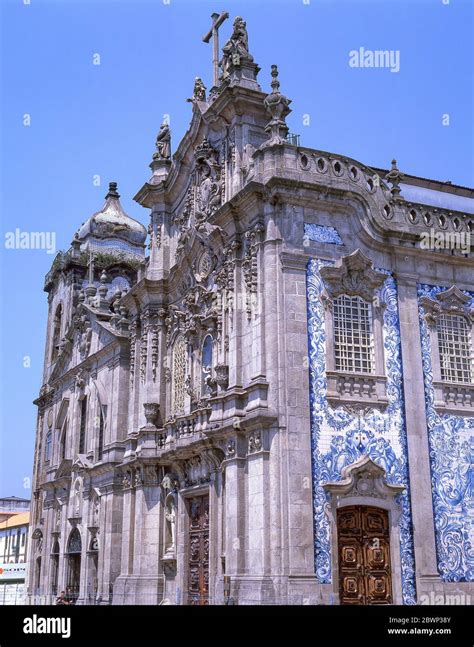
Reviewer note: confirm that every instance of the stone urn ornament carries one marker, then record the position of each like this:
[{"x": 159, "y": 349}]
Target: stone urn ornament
[{"x": 152, "y": 413}]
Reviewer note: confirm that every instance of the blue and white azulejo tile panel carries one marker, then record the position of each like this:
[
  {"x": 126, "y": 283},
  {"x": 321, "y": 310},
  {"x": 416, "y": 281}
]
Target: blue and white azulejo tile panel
[
  {"x": 340, "y": 438},
  {"x": 321, "y": 234},
  {"x": 451, "y": 444}
]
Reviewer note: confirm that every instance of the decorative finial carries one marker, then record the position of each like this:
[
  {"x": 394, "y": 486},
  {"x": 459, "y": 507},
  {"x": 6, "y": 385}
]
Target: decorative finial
[
  {"x": 76, "y": 245},
  {"x": 275, "y": 82},
  {"x": 103, "y": 289},
  {"x": 113, "y": 193},
  {"x": 394, "y": 177},
  {"x": 278, "y": 107}
]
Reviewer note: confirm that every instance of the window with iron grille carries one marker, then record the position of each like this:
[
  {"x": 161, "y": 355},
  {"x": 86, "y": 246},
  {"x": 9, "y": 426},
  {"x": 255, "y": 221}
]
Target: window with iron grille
[
  {"x": 455, "y": 352},
  {"x": 353, "y": 335},
  {"x": 178, "y": 375}
]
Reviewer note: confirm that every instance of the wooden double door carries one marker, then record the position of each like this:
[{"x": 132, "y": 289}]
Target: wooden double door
[
  {"x": 363, "y": 535},
  {"x": 198, "y": 560}
]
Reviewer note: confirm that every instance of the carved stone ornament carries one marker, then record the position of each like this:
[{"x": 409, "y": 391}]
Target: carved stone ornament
[
  {"x": 353, "y": 275},
  {"x": 133, "y": 342},
  {"x": 255, "y": 442},
  {"x": 230, "y": 447},
  {"x": 127, "y": 480},
  {"x": 250, "y": 267},
  {"x": 222, "y": 376},
  {"x": 203, "y": 198},
  {"x": 204, "y": 266},
  {"x": 363, "y": 478},
  {"x": 84, "y": 335},
  {"x": 199, "y": 469}
]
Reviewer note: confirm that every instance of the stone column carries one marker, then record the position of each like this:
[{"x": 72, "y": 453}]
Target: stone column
[
  {"x": 298, "y": 550},
  {"x": 82, "y": 526},
  {"x": 110, "y": 540},
  {"x": 234, "y": 512},
  {"x": 120, "y": 590},
  {"x": 258, "y": 587},
  {"x": 65, "y": 529},
  {"x": 417, "y": 434},
  {"x": 147, "y": 577}
]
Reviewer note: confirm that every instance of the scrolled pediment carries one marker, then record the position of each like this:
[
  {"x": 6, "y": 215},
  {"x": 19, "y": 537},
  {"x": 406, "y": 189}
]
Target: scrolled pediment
[
  {"x": 353, "y": 275},
  {"x": 363, "y": 478},
  {"x": 451, "y": 301}
]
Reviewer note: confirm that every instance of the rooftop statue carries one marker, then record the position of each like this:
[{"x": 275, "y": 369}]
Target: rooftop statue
[
  {"x": 236, "y": 47},
  {"x": 163, "y": 143}
]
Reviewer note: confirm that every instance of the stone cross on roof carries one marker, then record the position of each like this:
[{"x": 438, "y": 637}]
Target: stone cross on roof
[{"x": 213, "y": 33}]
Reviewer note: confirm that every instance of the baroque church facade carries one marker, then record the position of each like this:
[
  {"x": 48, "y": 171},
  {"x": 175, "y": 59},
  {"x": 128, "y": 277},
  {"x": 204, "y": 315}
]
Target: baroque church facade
[{"x": 275, "y": 404}]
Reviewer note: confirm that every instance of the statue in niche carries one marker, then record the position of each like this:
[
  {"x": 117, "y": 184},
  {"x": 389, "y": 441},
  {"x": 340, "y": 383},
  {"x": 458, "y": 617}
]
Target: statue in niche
[
  {"x": 77, "y": 500},
  {"x": 163, "y": 143},
  {"x": 170, "y": 515},
  {"x": 95, "y": 512},
  {"x": 209, "y": 191},
  {"x": 205, "y": 189}
]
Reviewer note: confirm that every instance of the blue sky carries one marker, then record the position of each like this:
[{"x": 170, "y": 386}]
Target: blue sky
[{"x": 89, "y": 120}]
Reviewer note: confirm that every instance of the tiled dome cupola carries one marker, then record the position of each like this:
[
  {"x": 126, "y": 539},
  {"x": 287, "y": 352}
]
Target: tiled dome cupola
[{"x": 112, "y": 229}]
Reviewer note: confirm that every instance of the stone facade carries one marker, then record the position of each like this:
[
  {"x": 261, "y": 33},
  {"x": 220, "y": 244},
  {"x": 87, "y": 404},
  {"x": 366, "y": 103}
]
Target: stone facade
[{"x": 196, "y": 436}]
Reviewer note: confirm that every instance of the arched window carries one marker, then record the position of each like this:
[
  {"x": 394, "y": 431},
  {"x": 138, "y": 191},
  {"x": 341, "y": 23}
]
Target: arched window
[
  {"x": 82, "y": 427},
  {"x": 455, "y": 353},
  {"x": 178, "y": 376},
  {"x": 74, "y": 544},
  {"x": 56, "y": 332},
  {"x": 55, "y": 568},
  {"x": 353, "y": 335},
  {"x": 48, "y": 445},
  {"x": 62, "y": 442},
  {"x": 100, "y": 441},
  {"x": 37, "y": 574},
  {"x": 74, "y": 550},
  {"x": 206, "y": 366}
]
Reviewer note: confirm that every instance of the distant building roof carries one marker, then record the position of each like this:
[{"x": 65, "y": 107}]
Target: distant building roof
[
  {"x": 435, "y": 198},
  {"x": 13, "y": 498},
  {"x": 21, "y": 519}
]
